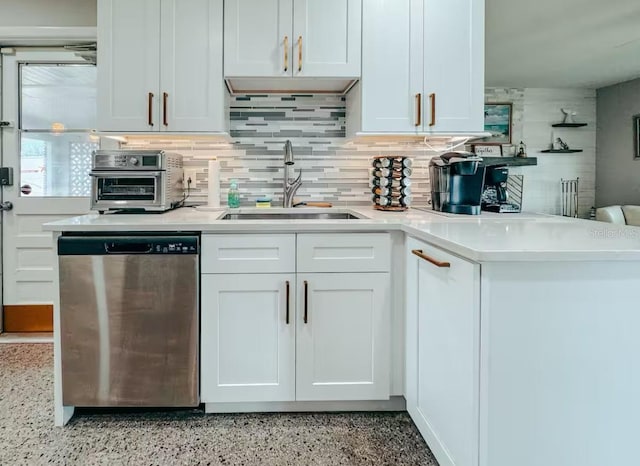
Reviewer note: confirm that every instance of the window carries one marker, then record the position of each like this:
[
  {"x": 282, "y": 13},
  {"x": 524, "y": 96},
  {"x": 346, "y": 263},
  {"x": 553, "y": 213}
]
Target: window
[{"x": 57, "y": 112}]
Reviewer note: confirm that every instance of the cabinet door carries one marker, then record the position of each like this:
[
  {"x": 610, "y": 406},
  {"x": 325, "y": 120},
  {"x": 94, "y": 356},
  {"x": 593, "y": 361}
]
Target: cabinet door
[
  {"x": 443, "y": 348},
  {"x": 454, "y": 66},
  {"x": 257, "y": 38},
  {"x": 247, "y": 347},
  {"x": 327, "y": 38},
  {"x": 343, "y": 336},
  {"x": 191, "y": 81},
  {"x": 392, "y": 57},
  {"x": 128, "y": 65}
]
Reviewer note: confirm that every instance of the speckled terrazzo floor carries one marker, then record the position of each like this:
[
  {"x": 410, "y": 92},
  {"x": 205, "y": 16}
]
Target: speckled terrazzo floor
[{"x": 28, "y": 437}]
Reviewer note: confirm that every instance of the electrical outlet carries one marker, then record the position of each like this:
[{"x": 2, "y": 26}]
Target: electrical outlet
[{"x": 189, "y": 173}]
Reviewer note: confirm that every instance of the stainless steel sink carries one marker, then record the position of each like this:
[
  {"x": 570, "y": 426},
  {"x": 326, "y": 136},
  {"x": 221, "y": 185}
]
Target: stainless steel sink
[{"x": 291, "y": 216}]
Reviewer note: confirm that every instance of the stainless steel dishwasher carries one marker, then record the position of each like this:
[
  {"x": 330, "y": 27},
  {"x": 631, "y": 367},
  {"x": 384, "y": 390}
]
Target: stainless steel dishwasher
[{"x": 129, "y": 320}]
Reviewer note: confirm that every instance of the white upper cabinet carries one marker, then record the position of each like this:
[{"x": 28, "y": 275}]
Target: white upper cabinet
[
  {"x": 128, "y": 64},
  {"x": 257, "y": 38},
  {"x": 327, "y": 35},
  {"x": 160, "y": 66},
  {"x": 292, "y": 38},
  {"x": 454, "y": 66},
  {"x": 422, "y": 68}
]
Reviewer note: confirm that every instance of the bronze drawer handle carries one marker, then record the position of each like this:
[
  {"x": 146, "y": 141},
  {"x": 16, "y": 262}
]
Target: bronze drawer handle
[
  {"x": 437, "y": 263},
  {"x": 286, "y": 53},
  {"x": 165, "y": 96},
  {"x": 419, "y": 109},
  {"x": 299, "y": 54},
  {"x": 432, "y": 98}
]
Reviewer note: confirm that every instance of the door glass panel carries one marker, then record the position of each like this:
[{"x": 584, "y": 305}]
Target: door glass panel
[
  {"x": 134, "y": 188},
  {"x": 57, "y": 111}
]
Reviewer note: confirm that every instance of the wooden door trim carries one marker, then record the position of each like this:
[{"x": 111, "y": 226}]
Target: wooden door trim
[{"x": 28, "y": 318}]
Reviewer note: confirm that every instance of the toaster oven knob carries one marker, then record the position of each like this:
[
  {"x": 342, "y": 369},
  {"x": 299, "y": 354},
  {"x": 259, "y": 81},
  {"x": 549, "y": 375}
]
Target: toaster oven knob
[{"x": 134, "y": 161}]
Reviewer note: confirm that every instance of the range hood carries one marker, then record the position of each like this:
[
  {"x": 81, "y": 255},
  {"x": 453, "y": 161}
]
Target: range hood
[{"x": 289, "y": 85}]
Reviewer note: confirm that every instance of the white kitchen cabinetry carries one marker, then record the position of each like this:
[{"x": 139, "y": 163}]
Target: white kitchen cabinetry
[
  {"x": 160, "y": 66},
  {"x": 422, "y": 68},
  {"x": 249, "y": 345},
  {"x": 276, "y": 336},
  {"x": 291, "y": 38},
  {"x": 443, "y": 351},
  {"x": 343, "y": 336}
]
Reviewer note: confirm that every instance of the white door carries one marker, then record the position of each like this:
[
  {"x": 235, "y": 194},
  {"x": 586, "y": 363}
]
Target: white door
[
  {"x": 343, "y": 336},
  {"x": 191, "y": 81},
  {"x": 392, "y": 46},
  {"x": 257, "y": 38},
  {"x": 129, "y": 65},
  {"x": 248, "y": 338},
  {"x": 327, "y": 36},
  {"x": 454, "y": 66},
  {"x": 51, "y": 98},
  {"x": 445, "y": 366}
]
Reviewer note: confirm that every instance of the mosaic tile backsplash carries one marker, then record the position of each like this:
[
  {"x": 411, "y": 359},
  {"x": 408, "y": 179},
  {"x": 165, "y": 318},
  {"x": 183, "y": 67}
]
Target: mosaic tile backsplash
[{"x": 333, "y": 169}]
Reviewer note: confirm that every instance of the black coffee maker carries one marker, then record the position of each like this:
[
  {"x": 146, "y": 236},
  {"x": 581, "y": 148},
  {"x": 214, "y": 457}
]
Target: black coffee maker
[
  {"x": 456, "y": 180},
  {"x": 495, "y": 197}
]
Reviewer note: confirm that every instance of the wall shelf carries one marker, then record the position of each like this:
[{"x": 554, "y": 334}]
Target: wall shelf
[
  {"x": 561, "y": 151},
  {"x": 510, "y": 161},
  {"x": 569, "y": 125}
]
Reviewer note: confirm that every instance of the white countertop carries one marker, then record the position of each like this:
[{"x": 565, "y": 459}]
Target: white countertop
[{"x": 485, "y": 238}]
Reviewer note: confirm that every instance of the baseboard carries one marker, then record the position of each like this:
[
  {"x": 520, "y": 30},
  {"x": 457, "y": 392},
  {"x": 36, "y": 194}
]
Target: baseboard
[
  {"x": 28, "y": 318},
  {"x": 395, "y": 403}
]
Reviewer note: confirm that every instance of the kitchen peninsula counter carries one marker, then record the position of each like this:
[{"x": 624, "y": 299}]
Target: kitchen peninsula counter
[{"x": 485, "y": 238}]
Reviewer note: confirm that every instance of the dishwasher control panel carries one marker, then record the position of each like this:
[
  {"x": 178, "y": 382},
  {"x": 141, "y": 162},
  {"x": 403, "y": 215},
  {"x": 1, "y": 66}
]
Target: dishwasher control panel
[{"x": 129, "y": 245}]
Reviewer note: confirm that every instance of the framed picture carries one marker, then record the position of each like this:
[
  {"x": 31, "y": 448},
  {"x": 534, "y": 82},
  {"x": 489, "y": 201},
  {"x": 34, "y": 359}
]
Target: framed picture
[
  {"x": 497, "y": 121},
  {"x": 489, "y": 150},
  {"x": 636, "y": 137}
]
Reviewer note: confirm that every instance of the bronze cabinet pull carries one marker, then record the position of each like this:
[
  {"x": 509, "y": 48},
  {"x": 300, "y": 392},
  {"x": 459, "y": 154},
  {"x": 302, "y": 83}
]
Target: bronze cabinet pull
[
  {"x": 299, "y": 54},
  {"x": 306, "y": 301},
  {"x": 150, "y": 109},
  {"x": 432, "y": 98},
  {"x": 437, "y": 263},
  {"x": 286, "y": 53},
  {"x": 165, "y": 96},
  {"x": 419, "y": 109},
  {"x": 287, "y": 316}
]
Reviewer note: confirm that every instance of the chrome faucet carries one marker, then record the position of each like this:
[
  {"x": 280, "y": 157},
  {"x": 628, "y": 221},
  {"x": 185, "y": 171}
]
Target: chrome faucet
[{"x": 290, "y": 186}]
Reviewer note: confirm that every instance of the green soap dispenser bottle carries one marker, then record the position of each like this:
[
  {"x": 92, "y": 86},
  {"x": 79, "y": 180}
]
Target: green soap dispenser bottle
[{"x": 233, "y": 198}]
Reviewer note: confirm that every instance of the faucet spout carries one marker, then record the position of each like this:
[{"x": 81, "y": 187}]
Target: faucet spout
[{"x": 289, "y": 186}]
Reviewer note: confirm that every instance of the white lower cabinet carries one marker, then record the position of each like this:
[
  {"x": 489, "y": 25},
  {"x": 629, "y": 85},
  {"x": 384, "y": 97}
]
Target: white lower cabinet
[
  {"x": 248, "y": 344},
  {"x": 343, "y": 336},
  {"x": 443, "y": 351},
  {"x": 323, "y": 335}
]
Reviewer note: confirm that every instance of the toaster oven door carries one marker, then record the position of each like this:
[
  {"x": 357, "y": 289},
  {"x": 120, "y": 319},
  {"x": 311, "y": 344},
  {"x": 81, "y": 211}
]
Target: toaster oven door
[{"x": 127, "y": 190}]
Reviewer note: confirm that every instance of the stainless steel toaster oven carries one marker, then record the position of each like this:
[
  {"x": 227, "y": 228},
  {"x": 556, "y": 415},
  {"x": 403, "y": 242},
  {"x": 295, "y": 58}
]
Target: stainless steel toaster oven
[{"x": 142, "y": 180}]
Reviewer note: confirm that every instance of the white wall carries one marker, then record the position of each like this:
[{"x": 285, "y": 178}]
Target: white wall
[
  {"x": 618, "y": 180},
  {"x": 47, "y": 13},
  {"x": 534, "y": 111}
]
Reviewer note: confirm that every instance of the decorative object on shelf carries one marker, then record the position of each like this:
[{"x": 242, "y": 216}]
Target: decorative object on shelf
[
  {"x": 568, "y": 116},
  {"x": 522, "y": 150},
  {"x": 560, "y": 147},
  {"x": 497, "y": 121},
  {"x": 569, "y": 197},
  {"x": 568, "y": 120},
  {"x": 490, "y": 150},
  {"x": 636, "y": 136},
  {"x": 391, "y": 183}
]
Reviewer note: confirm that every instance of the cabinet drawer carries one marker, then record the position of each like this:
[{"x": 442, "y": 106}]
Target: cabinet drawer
[
  {"x": 344, "y": 252},
  {"x": 248, "y": 253}
]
